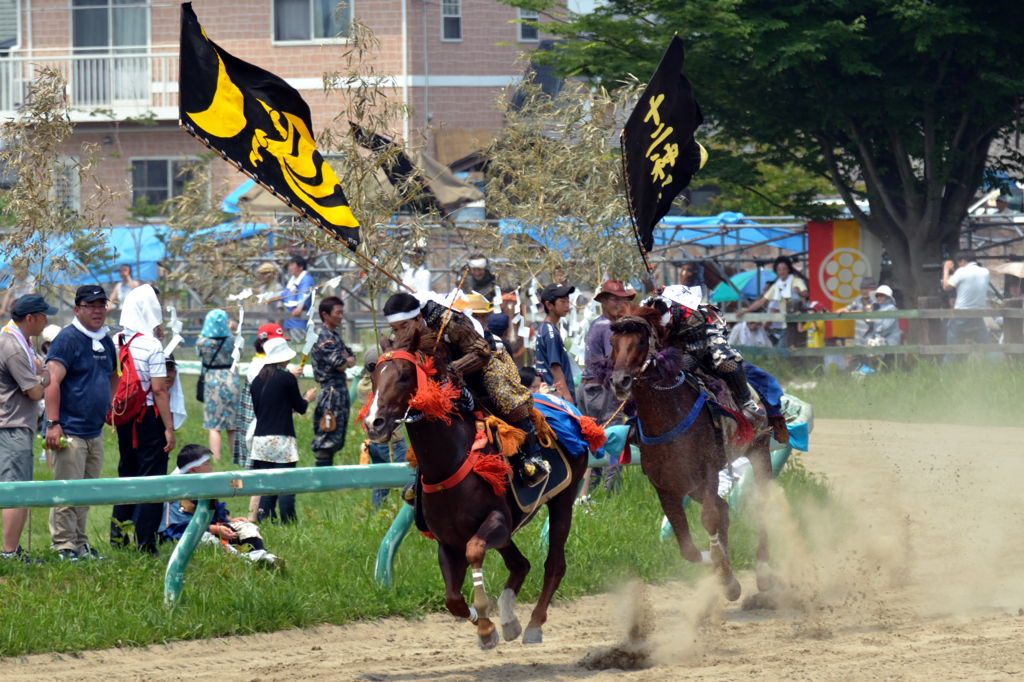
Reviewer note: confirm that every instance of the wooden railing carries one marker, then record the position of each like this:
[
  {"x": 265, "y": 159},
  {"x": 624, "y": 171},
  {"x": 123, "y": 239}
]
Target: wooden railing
[{"x": 927, "y": 331}]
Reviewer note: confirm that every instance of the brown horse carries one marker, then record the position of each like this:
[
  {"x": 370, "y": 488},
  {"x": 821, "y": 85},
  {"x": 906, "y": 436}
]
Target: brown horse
[
  {"x": 682, "y": 460},
  {"x": 465, "y": 515}
]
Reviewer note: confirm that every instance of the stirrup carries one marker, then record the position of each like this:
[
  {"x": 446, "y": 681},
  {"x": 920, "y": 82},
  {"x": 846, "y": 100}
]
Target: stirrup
[{"x": 535, "y": 471}]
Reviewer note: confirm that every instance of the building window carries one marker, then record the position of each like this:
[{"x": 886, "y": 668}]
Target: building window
[
  {"x": 109, "y": 38},
  {"x": 154, "y": 181},
  {"x": 9, "y": 20},
  {"x": 451, "y": 19},
  {"x": 528, "y": 33},
  {"x": 310, "y": 20}
]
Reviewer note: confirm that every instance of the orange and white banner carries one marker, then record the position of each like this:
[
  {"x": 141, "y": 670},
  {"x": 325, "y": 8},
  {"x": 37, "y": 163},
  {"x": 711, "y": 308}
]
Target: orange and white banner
[{"x": 839, "y": 256}]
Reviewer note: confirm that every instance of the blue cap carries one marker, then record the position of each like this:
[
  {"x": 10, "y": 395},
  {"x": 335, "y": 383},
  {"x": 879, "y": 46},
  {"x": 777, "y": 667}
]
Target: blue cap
[{"x": 32, "y": 304}]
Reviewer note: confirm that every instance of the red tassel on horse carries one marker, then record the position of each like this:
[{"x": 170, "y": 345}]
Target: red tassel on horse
[
  {"x": 495, "y": 470},
  {"x": 434, "y": 400},
  {"x": 744, "y": 431},
  {"x": 364, "y": 411},
  {"x": 592, "y": 433}
]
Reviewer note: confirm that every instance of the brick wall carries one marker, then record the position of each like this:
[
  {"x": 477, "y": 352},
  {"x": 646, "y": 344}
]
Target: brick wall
[{"x": 244, "y": 28}]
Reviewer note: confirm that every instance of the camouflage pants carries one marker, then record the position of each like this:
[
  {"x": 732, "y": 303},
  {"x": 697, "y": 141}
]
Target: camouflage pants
[{"x": 723, "y": 356}]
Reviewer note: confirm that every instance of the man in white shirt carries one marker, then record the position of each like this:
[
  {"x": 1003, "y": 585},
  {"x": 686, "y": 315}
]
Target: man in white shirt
[
  {"x": 416, "y": 276},
  {"x": 971, "y": 284}
]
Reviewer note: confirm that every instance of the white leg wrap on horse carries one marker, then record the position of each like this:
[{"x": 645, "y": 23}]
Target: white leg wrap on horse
[
  {"x": 507, "y": 606},
  {"x": 472, "y": 614},
  {"x": 705, "y": 558},
  {"x": 714, "y": 539},
  {"x": 478, "y": 578}
]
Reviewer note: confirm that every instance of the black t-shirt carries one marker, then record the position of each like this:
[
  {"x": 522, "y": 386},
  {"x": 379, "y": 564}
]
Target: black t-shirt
[{"x": 273, "y": 402}]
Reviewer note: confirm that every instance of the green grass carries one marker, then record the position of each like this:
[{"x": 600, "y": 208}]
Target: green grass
[
  {"x": 976, "y": 392},
  {"x": 330, "y": 553}
]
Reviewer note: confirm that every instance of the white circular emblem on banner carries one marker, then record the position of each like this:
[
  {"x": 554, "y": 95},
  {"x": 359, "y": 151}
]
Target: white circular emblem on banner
[{"x": 841, "y": 272}]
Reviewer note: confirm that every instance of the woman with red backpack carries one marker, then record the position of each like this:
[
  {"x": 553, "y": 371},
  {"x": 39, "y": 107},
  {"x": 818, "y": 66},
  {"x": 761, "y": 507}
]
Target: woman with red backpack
[{"x": 142, "y": 412}]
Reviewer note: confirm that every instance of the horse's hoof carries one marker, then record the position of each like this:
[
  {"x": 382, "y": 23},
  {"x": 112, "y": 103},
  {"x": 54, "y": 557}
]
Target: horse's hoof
[
  {"x": 488, "y": 641},
  {"x": 533, "y": 636},
  {"x": 511, "y": 631},
  {"x": 732, "y": 588},
  {"x": 765, "y": 579}
]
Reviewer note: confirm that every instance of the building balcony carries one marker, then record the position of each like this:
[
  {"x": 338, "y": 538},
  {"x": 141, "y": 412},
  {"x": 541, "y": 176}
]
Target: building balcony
[{"x": 101, "y": 87}]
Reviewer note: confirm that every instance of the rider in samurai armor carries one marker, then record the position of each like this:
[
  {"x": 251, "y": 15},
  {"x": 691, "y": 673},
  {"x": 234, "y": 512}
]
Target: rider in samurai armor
[
  {"x": 699, "y": 331},
  {"x": 470, "y": 352}
]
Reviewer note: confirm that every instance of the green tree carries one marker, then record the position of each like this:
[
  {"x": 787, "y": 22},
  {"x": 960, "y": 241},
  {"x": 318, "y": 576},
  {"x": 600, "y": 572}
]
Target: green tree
[{"x": 896, "y": 102}]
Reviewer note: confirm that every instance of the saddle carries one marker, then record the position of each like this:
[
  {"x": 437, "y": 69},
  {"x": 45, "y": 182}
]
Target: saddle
[{"x": 524, "y": 501}]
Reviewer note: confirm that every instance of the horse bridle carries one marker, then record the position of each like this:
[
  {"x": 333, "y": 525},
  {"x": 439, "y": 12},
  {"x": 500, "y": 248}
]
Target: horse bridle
[
  {"x": 419, "y": 360},
  {"x": 652, "y": 348}
]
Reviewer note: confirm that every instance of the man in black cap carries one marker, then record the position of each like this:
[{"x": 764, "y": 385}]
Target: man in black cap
[
  {"x": 22, "y": 381},
  {"x": 81, "y": 361},
  {"x": 550, "y": 357}
]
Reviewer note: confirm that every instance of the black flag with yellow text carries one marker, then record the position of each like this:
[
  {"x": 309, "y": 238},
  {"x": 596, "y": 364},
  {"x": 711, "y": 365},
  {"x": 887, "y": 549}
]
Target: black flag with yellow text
[
  {"x": 261, "y": 124},
  {"x": 660, "y": 153}
]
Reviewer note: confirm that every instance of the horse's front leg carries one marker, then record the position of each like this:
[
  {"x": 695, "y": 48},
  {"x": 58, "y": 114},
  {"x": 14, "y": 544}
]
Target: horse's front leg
[
  {"x": 714, "y": 514},
  {"x": 453, "y": 570},
  {"x": 494, "y": 532},
  {"x": 518, "y": 568}
]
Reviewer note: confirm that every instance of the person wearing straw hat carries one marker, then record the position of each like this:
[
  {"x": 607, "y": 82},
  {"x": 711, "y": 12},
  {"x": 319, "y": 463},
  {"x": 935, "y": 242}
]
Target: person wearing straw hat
[
  {"x": 275, "y": 395},
  {"x": 593, "y": 397},
  {"x": 221, "y": 389},
  {"x": 269, "y": 287},
  {"x": 479, "y": 307}
]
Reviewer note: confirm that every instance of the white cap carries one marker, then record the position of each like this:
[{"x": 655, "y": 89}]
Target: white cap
[
  {"x": 884, "y": 289},
  {"x": 50, "y": 332}
]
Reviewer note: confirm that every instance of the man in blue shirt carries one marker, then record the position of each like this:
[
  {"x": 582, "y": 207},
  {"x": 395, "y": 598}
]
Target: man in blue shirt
[
  {"x": 550, "y": 357},
  {"x": 298, "y": 298},
  {"x": 81, "y": 361}
]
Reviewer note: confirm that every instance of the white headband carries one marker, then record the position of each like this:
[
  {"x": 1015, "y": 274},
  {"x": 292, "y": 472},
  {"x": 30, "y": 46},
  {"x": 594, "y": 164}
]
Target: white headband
[
  {"x": 400, "y": 317},
  {"x": 478, "y": 263},
  {"x": 191, "y": 465}
]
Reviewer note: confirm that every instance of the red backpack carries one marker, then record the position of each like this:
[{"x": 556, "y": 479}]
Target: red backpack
[{"x": 129, "y": 402}]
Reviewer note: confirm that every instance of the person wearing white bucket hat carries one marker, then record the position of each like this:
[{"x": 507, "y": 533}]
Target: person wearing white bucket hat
[
  {"x": 886, "y": 330},
  {"x": 275, "y": 395}
]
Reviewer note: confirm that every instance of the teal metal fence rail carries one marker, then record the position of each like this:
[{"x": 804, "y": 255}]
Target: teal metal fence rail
[{"x": 218, "y": 486}]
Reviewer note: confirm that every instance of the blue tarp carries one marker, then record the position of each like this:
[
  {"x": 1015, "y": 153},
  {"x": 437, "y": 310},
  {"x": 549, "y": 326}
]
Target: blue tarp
[
  {"x": 230, "y": 203},
  {"x": 674, "y": 229},
  {"x": 742, "y": 237},
  {"x": 138, "y": 246}
]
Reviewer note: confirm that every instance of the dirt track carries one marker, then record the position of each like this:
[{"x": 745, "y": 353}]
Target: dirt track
[{"x": 927, "y": 585}]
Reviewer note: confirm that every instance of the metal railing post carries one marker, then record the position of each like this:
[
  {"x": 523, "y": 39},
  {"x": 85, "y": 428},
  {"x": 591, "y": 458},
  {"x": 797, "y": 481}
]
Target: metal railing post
[{"x": 175, "y": 576}]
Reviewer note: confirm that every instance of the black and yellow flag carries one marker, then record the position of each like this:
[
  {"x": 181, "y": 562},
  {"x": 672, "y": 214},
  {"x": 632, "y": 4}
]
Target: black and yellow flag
[
  {"x": 660, "y": 153},
  {"x": 262, "y": 125}
]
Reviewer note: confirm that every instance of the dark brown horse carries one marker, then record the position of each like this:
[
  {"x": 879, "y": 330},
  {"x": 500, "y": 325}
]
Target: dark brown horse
[
  {"x": 682, "y": 460},
  {"x": 466, "y": 517}
]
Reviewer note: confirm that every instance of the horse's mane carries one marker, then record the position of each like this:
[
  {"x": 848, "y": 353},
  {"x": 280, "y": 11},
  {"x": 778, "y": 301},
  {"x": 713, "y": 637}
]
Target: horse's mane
[
  {"x": 668, "y": 360},
  {"x": 415, "y": 339},
  {"x": 651, "y": 316}
]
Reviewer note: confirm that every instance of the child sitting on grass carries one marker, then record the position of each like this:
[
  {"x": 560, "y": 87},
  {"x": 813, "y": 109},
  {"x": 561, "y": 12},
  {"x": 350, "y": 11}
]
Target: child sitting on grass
[{"x": 195, "y": 459}]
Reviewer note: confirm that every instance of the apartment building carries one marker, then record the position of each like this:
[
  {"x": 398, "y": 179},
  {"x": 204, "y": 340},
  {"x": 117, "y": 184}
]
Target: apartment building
[{"x": 449, "y": 58}]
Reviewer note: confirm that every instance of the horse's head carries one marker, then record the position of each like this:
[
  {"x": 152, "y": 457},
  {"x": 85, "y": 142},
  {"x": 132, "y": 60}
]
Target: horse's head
[
  {"x": 636, "y": 337},
  {"x": 397, "y": 376}
]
